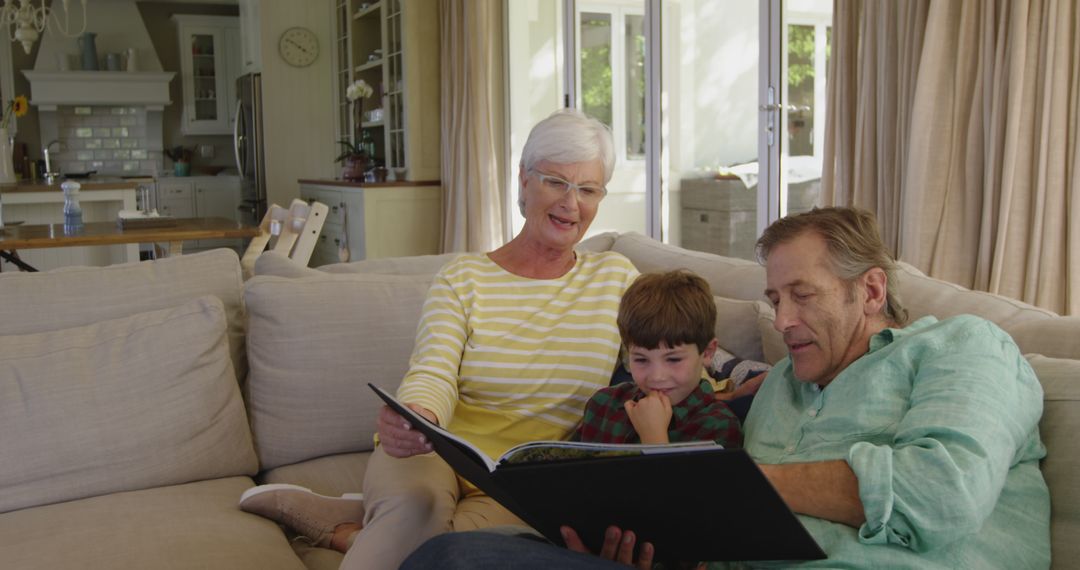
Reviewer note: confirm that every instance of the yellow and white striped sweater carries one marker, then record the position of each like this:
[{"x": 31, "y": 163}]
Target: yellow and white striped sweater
[{"x": 511, "y": 359}]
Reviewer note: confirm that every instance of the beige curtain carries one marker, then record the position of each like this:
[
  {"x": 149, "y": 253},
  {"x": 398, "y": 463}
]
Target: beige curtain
[
  {"x": 956, "y": 122},
  {"x": 472, "y": 111}
]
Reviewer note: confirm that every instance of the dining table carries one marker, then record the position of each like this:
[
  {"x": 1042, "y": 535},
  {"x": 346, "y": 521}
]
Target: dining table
[{"x": 172, "y": 232}]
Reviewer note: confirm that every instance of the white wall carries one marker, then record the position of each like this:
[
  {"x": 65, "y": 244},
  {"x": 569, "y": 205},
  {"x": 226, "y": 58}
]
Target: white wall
[{"x": 298, "y": 109}]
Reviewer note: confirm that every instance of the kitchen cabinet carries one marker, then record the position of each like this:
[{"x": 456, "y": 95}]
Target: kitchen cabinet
[
  {"x": 250, "y": 41},
  {"x": 209, "y": 65},
  {"x": 393, "y": 45},
  {"x": 376, "y": 220},
  {"x": 201, "y": 197}
]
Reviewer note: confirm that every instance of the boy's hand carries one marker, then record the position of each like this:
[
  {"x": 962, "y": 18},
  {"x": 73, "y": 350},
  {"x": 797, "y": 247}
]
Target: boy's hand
[{"x": 650, "y": 417}]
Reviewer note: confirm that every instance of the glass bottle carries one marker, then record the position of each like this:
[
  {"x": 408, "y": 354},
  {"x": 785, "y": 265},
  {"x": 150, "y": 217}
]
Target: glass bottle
[
  {"x": 367, "y": 144},
  {"x": 73, "y": 221}
]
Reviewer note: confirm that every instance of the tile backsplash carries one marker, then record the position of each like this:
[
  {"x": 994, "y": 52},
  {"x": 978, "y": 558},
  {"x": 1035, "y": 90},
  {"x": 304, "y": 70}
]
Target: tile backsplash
[{"x": 111, "y": 140}]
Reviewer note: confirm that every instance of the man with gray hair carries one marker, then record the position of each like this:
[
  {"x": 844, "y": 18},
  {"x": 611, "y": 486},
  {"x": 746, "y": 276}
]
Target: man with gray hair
[{"x": 913, "y": 447}]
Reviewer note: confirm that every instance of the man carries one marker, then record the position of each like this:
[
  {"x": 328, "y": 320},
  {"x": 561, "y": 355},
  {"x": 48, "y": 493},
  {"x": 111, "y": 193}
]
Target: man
[{"x": 912, "y": 447}]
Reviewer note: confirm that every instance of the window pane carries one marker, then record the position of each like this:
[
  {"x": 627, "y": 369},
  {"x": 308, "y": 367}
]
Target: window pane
[
  {"x": 710, "y": 106},
  {"x": 596, "y": 80},
  {"x": 800, "y": 77},
  {"x": 635, "y": 86},
  {"x": 805, "y": 61},
  {"x": 535, "y": 77}
]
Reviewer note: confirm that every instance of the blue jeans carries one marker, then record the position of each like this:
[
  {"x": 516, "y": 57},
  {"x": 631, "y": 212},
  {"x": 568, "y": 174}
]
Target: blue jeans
[{"x": 479, "y": 550}]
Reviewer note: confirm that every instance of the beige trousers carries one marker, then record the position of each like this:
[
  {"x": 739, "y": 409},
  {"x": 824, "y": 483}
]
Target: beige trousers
[{"x": 408, "y": 501}]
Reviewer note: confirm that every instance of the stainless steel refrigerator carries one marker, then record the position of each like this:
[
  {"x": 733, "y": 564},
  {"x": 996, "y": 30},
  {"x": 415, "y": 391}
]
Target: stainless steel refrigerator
[{"x": 248, "y": 145}]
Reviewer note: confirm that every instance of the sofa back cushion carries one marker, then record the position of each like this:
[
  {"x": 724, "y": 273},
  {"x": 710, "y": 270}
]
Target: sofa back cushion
[
  {"x": 313, "y": 345},
  {"x": 74, "y": 296},
  {"x": 736, "y": 327},
  {"x": 1060, "y": 424},
  {"x": 274, "y": 263},
  {"x": 727, "y": 276},
  {"x": 141, "y": 401},
  {"x": 924, "y": 295},
  {"x": 1057, "y": 337}
]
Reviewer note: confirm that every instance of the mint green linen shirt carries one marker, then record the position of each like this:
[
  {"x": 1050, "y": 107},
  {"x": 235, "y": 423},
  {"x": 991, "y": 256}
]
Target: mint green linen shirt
[{"x": 939, "y": 422}]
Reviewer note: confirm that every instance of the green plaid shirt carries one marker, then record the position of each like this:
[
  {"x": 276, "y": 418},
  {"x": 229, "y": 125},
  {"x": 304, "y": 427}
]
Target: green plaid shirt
[{"x": 699, "y": 417}]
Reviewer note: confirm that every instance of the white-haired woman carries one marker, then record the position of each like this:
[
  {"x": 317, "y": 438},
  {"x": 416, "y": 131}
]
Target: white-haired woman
[{"x": 510, "y": 345}]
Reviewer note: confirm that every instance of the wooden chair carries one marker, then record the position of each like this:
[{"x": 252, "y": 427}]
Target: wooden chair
[{"x": 293, "y": 232}]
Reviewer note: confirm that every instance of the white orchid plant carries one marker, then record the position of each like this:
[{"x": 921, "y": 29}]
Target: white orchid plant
[{"x": 358, "y": 89}]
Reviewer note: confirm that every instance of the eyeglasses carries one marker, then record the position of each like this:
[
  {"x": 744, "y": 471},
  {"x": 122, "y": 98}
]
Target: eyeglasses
[{"x": 558, "y": 186}]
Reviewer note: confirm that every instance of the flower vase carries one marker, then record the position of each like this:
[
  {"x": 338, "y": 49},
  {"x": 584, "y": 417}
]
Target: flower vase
[{"x": 7, "y": 167}]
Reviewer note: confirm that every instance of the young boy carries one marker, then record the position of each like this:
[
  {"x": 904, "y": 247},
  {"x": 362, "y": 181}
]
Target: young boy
[{"x": 666, "y": 323}]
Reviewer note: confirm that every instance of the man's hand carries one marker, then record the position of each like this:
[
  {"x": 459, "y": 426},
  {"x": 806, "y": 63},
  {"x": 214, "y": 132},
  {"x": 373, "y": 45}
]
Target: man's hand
[
  {"x": 397, "y": 436},
  {"x": 650, "y": 417},
  {"x": 618, "y": 546}
]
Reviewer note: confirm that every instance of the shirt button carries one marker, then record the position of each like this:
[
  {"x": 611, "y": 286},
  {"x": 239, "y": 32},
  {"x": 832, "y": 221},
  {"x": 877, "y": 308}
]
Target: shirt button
[
  {"x": 813, "y": 413},
  {"x": 789, "y": 449}
]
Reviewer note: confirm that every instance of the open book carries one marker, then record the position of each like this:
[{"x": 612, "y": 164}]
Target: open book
[{"x": 681, "y": 497}]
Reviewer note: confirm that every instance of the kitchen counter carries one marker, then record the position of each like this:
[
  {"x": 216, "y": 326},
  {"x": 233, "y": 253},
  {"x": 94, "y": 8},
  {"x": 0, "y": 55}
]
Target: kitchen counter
[
  {"x": 101, "y": 200},
  {"x": 85, "y": 185},
  {"x": 351, "y": 184}
]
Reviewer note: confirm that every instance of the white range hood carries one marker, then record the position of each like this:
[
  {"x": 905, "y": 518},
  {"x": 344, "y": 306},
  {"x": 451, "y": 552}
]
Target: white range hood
[
  {"x": 144, "y": 88},
  {"x": 119, "y": 27}
]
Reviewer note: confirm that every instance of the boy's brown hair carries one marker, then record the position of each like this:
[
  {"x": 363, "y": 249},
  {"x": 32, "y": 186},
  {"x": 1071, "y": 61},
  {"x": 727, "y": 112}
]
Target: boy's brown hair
[{"x": 673, "y": 308}]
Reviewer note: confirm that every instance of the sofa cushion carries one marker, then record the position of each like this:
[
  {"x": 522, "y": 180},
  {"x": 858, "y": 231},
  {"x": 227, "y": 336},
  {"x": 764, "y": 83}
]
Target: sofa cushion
[
  {"x": 1054, "y": 337},
  {"x": 727, "y": 276},
  {"x": 598, "y": 242},
  {"x": 414, "y": 265},
  {"x": 124, "y": 404},
  {"x": 196, "y": 525},
  {"x": 736, "y": 327},
  {"x": 73, "y": 296},
  {"x": 331, "y": 475},
  {"x": 275, "y": 263},
  {"x": 1060, "y": 424},
  {"x": 923, "y": 295},
  {"x": 313, "y": 345}
]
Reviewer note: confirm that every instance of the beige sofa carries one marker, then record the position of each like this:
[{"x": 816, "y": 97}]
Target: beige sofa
[{"x": 127, "y": 438}]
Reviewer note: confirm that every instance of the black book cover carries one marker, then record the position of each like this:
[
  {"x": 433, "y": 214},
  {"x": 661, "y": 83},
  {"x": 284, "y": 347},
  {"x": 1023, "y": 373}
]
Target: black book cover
[{"x": 694, "y": 504}]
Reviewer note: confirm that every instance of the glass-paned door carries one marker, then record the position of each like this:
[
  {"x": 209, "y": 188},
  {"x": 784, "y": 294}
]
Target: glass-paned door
[
  {"x": 710, "y": 83},
  {"x": 610, "y": 71},
  {"x": 608, "y": 84},
  {"x": 739, "y": 110},
  {"x": 536, "y": 80},
  {"x": 807, "y": 34},
  {"x": 739, "y": 150},
  {"x": 204, "y": 68}
]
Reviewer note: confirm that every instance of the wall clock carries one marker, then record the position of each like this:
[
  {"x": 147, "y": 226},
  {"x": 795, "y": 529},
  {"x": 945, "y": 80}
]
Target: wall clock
[{"x": 299, "y": 47}]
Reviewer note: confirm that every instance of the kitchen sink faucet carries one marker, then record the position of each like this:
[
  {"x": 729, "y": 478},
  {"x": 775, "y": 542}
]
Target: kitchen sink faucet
[{"x": 50, "y": 176}]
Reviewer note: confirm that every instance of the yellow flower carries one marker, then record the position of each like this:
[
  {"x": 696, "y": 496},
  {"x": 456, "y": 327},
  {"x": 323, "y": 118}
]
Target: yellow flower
[
  {"x": 20, "y": 106},
  {"x": 17, "y": 106}
]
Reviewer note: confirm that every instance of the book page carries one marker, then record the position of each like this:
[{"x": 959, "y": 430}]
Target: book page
[{"x": 563, "y": 450}]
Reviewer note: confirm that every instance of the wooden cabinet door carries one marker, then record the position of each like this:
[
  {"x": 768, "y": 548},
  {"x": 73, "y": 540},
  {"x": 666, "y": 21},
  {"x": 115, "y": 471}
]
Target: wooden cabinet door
[{"x": 175, "y": 199}]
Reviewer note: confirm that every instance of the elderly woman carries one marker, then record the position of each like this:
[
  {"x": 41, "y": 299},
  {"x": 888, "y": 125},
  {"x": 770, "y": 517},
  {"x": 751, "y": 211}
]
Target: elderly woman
[{"x": 510, "y": 346}]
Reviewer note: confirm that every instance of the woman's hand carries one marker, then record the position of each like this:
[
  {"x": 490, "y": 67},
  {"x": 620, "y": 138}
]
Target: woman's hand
[
  {"x": 397, "y": 436},
  {"x": 618, "y": 546},
  {"x": 650, "y": 417}
]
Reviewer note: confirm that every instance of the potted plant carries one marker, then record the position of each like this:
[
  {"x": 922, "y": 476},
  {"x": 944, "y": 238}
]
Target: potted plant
[
  {"x": 353, "y": 159},
  {"x": 181, "y": 157}
]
